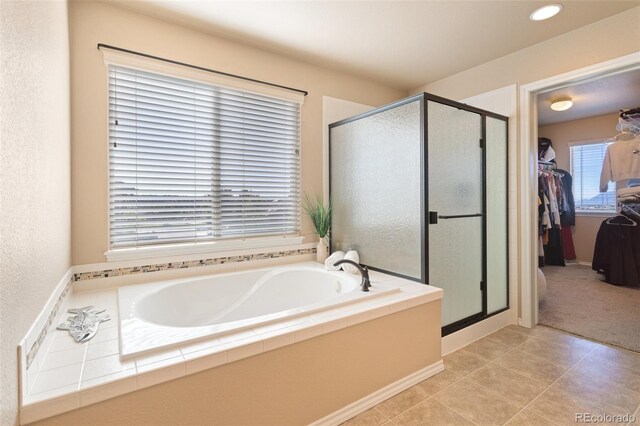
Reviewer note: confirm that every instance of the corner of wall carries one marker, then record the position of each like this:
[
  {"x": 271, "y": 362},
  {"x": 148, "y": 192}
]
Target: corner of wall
[{"x": 34, "y": 174}]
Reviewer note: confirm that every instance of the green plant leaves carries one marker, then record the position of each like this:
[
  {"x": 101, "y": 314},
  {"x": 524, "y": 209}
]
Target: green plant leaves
[{"x": 319, "y": 214}]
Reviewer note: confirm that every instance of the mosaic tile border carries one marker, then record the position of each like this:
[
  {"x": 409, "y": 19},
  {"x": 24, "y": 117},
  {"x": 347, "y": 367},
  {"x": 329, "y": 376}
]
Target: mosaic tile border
[
  {"x": 35, "y": 347},
  {"x": 105, "y": 273},
  {"x": 188, "y": 264}
]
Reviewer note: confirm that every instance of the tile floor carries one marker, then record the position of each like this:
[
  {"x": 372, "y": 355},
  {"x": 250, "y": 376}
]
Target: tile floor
[{"x": 519, "y": 376}]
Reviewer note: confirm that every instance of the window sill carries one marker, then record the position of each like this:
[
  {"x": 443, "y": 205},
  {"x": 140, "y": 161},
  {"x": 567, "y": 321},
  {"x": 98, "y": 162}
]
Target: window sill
[
  {"x": 196, "y": 248},
  {"x": 600, "y": 213}
]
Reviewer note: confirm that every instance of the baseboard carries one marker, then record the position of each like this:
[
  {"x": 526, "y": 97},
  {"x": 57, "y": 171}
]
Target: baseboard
[
  {"x": 467, "y": 335},
  {"x": 380, "y": 395}
]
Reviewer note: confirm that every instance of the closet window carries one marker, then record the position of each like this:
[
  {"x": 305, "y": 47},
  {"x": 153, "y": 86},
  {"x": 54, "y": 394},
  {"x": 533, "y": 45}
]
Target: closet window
[
  {"x": 586, "y": 164},
  {"x": 191, "y": 162}
]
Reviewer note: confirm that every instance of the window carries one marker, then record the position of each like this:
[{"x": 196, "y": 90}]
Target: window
[
  {"x": 586, "y": 165},
  {"x": 193, "y": 162}
]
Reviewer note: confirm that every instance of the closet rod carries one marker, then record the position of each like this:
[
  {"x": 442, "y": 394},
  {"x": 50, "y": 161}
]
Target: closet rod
[{"x": 146, "y": 55}]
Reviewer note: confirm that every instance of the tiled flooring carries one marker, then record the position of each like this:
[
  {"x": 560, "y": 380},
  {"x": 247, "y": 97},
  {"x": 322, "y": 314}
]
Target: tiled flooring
[{"x": 519, "y": 376}]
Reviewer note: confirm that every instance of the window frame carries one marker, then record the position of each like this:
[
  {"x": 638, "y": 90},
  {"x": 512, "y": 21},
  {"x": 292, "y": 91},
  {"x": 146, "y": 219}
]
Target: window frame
[
  {"x": 235, "y": 246},
  {"x": 590, "y": 212}
]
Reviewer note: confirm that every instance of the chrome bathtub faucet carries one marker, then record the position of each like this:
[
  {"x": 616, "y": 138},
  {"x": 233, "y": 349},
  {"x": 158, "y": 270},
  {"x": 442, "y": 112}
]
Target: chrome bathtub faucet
[{"x": 365, "y": 284}]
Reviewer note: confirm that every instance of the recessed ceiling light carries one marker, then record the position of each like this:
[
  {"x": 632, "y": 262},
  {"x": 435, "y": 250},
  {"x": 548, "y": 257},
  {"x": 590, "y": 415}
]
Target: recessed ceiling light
[
  {"x": 561, "y": 104},
  {"x": 545, "y": 12}
]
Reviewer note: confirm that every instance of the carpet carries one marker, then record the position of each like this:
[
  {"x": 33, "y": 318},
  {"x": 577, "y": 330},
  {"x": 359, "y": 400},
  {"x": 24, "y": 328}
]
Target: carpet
[{"x": 578, "y": 301}]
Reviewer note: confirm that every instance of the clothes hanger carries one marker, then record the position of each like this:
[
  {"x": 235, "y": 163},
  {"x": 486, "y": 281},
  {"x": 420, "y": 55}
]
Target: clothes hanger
[
  {"x": 633, "y": 222},
  {"x": 621, "y": 216},
  {"x": 628, "y": 123},
  {"x": 630, "y": 211}
]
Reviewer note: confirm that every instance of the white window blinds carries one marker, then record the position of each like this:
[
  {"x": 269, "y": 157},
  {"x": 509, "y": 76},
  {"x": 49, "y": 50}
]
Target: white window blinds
[
  {"x": 586, "y": 165},
  {"x": 193, "y": 162}
]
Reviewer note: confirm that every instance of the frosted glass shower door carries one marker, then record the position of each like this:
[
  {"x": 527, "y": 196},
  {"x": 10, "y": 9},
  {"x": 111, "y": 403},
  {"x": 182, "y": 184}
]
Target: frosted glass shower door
[
  {"x": 456, "y": 209},
  {"x": 497, "y": 241},
  {"x": 376, "y": 168}
]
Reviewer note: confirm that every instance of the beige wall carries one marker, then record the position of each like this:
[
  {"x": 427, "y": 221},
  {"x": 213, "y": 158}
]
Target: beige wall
[
  {"x": 599, "y": 127},
  {"x": 293, "y": 385},
  {"x": 607, "y": 39},
  {"x": 96, "y": 22},
  {"x": 34, "y": 173}
]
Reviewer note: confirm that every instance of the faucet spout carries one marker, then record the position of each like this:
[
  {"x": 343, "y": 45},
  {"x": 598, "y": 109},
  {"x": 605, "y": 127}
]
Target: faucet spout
[{"x": 365, "y": 284}]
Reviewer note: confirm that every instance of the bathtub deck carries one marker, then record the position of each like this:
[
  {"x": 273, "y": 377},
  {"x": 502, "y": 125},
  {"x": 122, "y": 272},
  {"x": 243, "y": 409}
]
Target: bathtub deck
[{"x": 67, "y": 375}]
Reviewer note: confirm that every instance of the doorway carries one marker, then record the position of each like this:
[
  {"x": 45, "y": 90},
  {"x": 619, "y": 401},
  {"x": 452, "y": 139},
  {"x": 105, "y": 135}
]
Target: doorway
[{"x": 531, "y": 96}]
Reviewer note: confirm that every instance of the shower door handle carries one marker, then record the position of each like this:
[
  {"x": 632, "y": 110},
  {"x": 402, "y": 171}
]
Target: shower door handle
[
  {"x": 459, "y": 216},
  {"x": 434, "y": 216}
]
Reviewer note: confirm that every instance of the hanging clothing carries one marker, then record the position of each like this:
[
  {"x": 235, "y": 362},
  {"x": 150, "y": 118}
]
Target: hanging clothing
[
  {"x": 568, "y": 249},
  {"x": 620, "y": 162},
  {"x": 546, "y": 218},
  {"x": 556, "y": 209},
  {"x": 553, "y": 250},
  {"x": 553, "y": 199},
  {"x": 617, "y": 252},
  {"x": 550, "y": 218},
  {"x": 568, "y": 206}
]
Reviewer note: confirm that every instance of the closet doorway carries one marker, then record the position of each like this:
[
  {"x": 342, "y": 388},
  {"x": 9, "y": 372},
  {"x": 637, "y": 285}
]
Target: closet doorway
[{"x": 587, "y": 210}]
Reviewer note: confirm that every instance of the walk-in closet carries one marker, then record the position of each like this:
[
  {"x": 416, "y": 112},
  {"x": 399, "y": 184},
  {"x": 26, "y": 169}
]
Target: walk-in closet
[{"x": 589, "y": 209}]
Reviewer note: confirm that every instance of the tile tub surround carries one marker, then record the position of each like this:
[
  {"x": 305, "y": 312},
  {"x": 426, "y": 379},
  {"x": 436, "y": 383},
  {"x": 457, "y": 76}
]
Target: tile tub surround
[
  {"x": 75, "y": 375},
  {"x": 35, "y": 338},
  {"x": 51, "y": 316},
  {"x": 520, "y": 376},
  {"x": 156, "y": 267}
]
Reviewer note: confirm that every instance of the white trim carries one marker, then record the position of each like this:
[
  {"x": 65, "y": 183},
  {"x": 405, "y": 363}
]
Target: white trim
[
  {"x": 528, "y": 170},
  {"x": 199, "y": 248},
  {"x": 380, "y": 395},
  {"x": 587, "y": 142},
  {"x": 467, "y": 335},
  {"x": 596, "y": 213},
  {"x": 154, "y": 65}
]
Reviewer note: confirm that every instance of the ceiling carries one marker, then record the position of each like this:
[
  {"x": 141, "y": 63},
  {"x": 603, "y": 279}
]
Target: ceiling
[
  {"x": 404, "y": 44},
  {"x": 601, "y": 96}
]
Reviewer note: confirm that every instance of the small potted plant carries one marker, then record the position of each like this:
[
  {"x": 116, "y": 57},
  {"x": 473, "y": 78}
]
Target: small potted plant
[{"x": 320, "y": 216}]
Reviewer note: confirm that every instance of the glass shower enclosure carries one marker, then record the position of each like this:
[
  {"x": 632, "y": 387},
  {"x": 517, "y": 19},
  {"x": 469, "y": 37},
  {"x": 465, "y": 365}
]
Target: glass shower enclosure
[{"x": 419, "y": 189}]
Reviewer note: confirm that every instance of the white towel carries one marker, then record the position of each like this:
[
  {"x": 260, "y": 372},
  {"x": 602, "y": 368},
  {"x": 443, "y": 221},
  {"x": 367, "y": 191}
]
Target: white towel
[
  {"x": 335, "y": 256},
  {"x": 351, "y": 255}
]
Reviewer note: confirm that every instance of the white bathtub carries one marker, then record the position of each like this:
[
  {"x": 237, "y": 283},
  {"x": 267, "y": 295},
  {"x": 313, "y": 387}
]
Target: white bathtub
[{"x": 161, "y": 314}]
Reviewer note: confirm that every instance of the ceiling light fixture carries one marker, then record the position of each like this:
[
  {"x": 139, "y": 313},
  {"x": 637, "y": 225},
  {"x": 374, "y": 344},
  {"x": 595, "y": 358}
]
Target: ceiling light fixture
[
  {"x": 545, "y": 12},
  {"x": 561, "y": 104}
]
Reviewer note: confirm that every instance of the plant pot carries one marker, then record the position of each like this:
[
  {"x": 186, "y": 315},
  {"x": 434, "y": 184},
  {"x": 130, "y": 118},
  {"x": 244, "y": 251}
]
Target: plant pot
[{"x": 322, "y": 250}]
